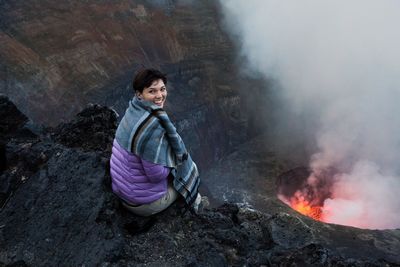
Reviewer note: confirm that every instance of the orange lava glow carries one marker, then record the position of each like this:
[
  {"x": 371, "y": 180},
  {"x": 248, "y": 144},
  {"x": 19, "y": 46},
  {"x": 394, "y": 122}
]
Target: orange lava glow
[{"x": 305, "y": 208}]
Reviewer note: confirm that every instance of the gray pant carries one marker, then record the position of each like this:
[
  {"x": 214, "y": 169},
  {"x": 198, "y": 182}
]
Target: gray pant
[{"x": 155, "y": 206}]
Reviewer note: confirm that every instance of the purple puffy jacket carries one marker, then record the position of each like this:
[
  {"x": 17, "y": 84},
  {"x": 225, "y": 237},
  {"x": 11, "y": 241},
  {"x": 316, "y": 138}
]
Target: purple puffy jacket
[{"x": 135, "y": 180}]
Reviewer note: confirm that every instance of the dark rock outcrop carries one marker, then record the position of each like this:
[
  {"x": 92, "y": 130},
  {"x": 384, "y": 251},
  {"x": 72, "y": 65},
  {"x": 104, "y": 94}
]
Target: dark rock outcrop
[
  {"x": 12, "y": 121},
  {"x": 92, "y": 129},
  {"x": 64, "y": 214},
  {"x": 17, "y": 142}
]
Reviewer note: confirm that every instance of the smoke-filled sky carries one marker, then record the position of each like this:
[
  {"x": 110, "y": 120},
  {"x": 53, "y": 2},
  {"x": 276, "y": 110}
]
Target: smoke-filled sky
[{"x": 340, "y": 62}]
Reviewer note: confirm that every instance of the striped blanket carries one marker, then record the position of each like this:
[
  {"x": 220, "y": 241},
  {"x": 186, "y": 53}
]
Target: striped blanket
[{"x": 147, "y": 131}]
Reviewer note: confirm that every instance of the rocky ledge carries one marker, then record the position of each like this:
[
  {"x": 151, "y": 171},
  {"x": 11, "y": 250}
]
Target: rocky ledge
[{"x": 57, "y": 209}]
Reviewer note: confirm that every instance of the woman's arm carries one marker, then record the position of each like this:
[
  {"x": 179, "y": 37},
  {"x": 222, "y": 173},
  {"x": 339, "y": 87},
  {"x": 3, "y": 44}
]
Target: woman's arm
[{"x": 155, "y": 172}]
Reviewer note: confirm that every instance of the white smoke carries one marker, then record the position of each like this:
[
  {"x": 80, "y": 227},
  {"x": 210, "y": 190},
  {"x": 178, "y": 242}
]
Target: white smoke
[
  {"x": 340, "y": 61},
  {"x": 364, "y": 198}
]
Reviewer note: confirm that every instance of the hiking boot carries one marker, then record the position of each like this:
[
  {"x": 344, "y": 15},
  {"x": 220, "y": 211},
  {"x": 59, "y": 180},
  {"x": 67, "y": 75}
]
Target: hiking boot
[{"x": 200, "y": 203}]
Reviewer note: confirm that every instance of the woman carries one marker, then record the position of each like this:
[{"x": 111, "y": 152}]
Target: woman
[{"x": 150, "y": 166}]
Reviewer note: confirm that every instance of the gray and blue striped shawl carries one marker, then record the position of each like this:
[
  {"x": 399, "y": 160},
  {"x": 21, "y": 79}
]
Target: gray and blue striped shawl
[{"x": 147, "y": 131}]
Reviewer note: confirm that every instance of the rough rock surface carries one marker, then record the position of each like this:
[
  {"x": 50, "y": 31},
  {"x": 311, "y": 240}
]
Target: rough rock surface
[
  {"x": 92, "y": 129},
  {"x": 64, "y": 214},
  {"x": 17, "y": 142},
  {"x": 12, "y": 120}
]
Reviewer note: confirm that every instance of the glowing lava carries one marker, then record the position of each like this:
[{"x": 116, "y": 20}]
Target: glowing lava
[{"x": 306, "y": 208}]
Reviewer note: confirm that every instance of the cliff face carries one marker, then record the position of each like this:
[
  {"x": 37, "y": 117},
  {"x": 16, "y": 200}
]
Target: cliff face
[
  {"x": 59, "y": 53},
  {"x": 57, "y": 57},
  {"x": 57, "y": 208}
]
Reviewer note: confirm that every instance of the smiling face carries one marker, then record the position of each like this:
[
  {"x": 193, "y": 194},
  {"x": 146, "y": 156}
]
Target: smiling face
[{"x": 155, "y": 93}]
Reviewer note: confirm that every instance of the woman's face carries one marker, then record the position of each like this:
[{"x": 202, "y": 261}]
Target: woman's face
[{"x": 155, "y": 93}]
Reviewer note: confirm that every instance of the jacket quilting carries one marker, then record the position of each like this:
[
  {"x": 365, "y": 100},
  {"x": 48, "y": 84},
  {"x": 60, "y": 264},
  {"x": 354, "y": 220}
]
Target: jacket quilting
[{"x": 135, "y": 180}]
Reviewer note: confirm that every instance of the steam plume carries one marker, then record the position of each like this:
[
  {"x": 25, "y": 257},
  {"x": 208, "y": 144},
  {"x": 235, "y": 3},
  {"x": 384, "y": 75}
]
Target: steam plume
[{"x": 340, "y": 62}]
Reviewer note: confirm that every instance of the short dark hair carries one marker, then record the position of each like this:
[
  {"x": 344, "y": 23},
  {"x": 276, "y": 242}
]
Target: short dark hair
[{"x": 144, "y": 78}]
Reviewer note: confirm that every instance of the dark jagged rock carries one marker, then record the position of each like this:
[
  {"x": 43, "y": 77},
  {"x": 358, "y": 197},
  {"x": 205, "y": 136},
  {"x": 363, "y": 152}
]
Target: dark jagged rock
[
  {"x": 18, "y": 155},
  {"x": 92, "y": 129},
  {"x": 11, "y": 118},
  {"x": 64, "y": 213},
  {"x": 12, "y": 121},
  {"x": 3, "y": 158},
  {"x": 24, "y": 159}
]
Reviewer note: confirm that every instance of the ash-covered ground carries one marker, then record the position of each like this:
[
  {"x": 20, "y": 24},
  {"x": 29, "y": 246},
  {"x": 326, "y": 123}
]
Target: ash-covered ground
[{"x": 57, "y": 209}]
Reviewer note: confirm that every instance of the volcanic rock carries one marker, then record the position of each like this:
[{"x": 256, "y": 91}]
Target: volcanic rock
[
  {"x": 12, "y": 121},
  {"x": 92, "y": 129},
  {"x": 18, "y": 154},
  {"x": 64, "y": 213}
]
